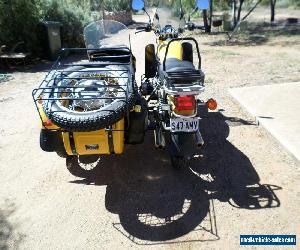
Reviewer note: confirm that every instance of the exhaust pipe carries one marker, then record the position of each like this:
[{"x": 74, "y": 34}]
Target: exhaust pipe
[
  {"x": 199, "y": 139},
  {"x": 159, "y": 138}
]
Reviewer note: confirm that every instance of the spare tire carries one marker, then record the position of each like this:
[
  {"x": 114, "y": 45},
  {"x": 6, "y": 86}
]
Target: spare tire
[{"x": 90, "y": 120}]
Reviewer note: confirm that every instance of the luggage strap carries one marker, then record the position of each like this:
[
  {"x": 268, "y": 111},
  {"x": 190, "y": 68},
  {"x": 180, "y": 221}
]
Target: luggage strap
[
  {"x": 110, "y": 140},
  {"x": 72, "y": 143}
]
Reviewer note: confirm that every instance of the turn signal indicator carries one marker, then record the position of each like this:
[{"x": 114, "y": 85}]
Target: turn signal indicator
[{"x": 211, "y": 104}]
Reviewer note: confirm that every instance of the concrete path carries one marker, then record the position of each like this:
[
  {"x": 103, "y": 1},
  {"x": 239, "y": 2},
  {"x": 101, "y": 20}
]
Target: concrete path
[{"x": 277, "y": 108}]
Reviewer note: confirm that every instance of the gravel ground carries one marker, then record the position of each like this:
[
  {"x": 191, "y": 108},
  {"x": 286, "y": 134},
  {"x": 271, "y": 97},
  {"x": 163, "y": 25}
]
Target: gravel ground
[{"x": 246, "y": 182}]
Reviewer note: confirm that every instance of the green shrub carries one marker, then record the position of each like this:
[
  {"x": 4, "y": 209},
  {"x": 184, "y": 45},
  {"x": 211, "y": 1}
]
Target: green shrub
[
  {"x": 73, "y": 18},
  {"x": 116, "y": 5},
  {"x": 18, "y": 20}
]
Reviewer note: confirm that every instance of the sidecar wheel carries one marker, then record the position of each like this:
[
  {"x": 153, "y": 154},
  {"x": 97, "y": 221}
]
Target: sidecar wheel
[
  {"x": 82, "y": 166},
  {"x": 62, "y": 154}
]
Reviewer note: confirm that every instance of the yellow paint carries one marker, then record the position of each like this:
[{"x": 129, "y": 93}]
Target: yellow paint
[
  {"x": 175, "y": 50},
  {"x": 65, "y": 136},
  {"x": 97, "y": 138},
  {"x": 137, "y": 108},
  {"x": 45, "y": 118}
]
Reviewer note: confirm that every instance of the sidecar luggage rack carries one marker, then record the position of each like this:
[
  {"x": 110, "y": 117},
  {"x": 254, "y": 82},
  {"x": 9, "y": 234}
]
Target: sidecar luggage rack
[{"x": 49, "y": 88}]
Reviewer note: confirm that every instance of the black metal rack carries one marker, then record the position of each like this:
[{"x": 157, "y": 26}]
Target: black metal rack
[
  {"x": 51, "y": 89},
  {"x": 185, "y": 76}
]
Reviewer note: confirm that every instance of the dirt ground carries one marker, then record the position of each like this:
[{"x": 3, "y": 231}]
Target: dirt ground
[{"x": 246, "y": 182}]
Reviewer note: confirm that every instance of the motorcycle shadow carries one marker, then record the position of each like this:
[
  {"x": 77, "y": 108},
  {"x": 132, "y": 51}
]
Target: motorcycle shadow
[
  {"x": 226, "y": 171},
  {"x": 158, "y": 204}
]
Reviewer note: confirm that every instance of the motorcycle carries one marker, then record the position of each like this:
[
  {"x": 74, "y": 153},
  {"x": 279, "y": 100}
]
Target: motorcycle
[{"x": 172, "y": 82}]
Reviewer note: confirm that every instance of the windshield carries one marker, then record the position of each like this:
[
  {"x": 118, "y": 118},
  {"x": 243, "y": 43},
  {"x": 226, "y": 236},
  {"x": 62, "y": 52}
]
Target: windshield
[
  {"x": 167, "y": 12},
  {"x": 106, "y": 33}
]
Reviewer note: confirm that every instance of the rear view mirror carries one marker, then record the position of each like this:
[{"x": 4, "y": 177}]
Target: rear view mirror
[
  {"x": 137, "y": 4},
  {"x": 202, "y": 4}
]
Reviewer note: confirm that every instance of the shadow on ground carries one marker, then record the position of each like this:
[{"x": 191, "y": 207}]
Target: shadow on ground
[
  {"x": 157, "y": 204},
  {"x": 258, "y": 34},
  {"x": 37, "y": 66},
  {"x": 9, "y": 239}
]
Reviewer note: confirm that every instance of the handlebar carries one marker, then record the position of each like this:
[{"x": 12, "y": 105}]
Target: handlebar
[
  {"x": 199, "y": 27},
  {"x": 141, "y": 28},
  {"x": 140, "y": 31},
  {"x": 146, "y": 28},
  {"x": 191, "y": 26}
]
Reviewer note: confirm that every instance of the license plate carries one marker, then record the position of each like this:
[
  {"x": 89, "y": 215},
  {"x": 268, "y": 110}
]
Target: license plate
[{"x": 179, "y": 124}]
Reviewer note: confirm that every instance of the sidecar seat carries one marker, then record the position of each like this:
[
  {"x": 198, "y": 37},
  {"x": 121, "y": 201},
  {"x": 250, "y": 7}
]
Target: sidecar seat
[{"x": 121, "y": 54}]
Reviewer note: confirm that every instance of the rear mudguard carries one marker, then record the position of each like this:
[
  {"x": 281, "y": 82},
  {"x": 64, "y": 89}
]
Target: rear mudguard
[{"x": 185, "y": 144}]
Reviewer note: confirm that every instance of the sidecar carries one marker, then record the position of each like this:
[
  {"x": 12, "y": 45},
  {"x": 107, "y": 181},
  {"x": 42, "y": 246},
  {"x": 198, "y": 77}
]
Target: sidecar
[{"x": 92, "y": 106}]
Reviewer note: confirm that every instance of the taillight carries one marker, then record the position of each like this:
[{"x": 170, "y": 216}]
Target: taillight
[
  {"x": 47, "y": 123},
  {"x": 185, "y": 102}
]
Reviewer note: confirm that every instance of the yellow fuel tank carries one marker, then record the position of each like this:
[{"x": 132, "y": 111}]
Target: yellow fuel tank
[{"x": 175, "y": 50}]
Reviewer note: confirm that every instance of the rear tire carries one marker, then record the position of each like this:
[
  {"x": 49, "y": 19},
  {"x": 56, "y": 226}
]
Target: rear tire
[{"x": 179, "y": 162}]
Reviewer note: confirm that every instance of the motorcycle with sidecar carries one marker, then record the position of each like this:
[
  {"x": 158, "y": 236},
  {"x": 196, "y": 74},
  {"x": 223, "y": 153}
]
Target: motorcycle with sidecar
[{"x": 95, "y": 106}]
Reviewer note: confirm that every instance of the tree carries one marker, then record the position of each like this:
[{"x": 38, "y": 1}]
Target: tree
[
  {"x": 236, "y": 6},
  {"x": 18, "y": 19},
  {"x": 241, "y": 2},
  {"x": 272, "y": 5}
]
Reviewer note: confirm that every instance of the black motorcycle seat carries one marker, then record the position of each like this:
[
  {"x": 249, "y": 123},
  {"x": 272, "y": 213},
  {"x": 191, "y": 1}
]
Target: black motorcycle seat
[{"x": 173, "y": 65}]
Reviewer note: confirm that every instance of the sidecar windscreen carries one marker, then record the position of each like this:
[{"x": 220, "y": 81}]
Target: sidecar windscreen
[{"x": 106, "y": 33}]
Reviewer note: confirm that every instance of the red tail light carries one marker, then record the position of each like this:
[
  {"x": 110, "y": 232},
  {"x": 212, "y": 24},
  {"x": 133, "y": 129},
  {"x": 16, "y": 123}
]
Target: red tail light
[
  {"x": 47, "y": 123},
  {"x": 185, "y": 102}
]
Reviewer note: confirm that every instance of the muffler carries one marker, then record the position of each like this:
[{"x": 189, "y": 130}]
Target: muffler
[{"x": 199, "y": 139}]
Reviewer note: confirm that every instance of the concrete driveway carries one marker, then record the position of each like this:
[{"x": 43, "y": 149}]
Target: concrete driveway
[{"x": 277, "y": 109}]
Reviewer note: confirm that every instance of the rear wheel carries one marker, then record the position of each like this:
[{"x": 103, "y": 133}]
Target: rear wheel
[
  {"x": 182, "y": 149},
  {"x": 179, "y": 162}
]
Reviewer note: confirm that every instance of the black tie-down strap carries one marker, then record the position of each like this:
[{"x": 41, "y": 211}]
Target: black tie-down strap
[
  {"x": 110, "y": 140},
  {"x": 72, "y": 143}
]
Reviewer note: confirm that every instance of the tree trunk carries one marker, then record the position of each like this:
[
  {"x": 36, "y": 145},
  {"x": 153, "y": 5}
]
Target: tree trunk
[
  {"x": 272, "y": 5},
  {"x": 205, "y": 21},
  {"x": 240, "y": 10},
  {"x": 210, "y": 14},
  {"x": 233, "y": 13}
]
